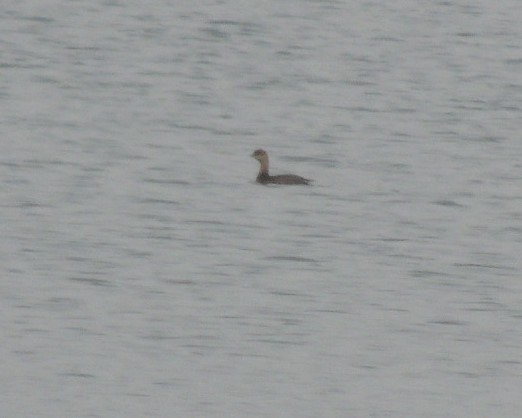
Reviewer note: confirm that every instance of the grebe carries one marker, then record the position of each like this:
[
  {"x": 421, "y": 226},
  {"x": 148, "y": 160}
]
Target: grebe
[{"x": 264, "y": 178}]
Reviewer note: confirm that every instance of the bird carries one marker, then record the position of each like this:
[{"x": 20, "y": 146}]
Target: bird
[{"x": 265, "y": 178}]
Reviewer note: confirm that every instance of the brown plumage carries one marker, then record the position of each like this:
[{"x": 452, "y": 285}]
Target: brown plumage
[{"x": 264, "y": 178}]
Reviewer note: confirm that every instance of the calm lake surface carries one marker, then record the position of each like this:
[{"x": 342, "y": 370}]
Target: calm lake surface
[{"x": 143, "y": 271}]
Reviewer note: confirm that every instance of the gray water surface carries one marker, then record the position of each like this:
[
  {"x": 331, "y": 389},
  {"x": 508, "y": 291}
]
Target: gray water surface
[{"x": 145, "y": 274}]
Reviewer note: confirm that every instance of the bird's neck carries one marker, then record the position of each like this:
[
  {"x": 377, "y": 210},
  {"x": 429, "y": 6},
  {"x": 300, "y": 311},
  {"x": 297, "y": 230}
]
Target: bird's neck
[{"x": 263, "y": 168}]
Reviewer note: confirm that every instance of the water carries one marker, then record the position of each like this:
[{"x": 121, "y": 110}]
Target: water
[{"x": 144, "y": 273}]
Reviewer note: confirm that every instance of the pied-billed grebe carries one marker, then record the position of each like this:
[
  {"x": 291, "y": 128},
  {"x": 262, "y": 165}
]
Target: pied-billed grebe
[{"x": 264, "y": 178}]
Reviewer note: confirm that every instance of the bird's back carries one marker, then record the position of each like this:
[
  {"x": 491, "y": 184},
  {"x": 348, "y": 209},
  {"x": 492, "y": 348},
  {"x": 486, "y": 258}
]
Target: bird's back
[{"x": 287, "y": 179}]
